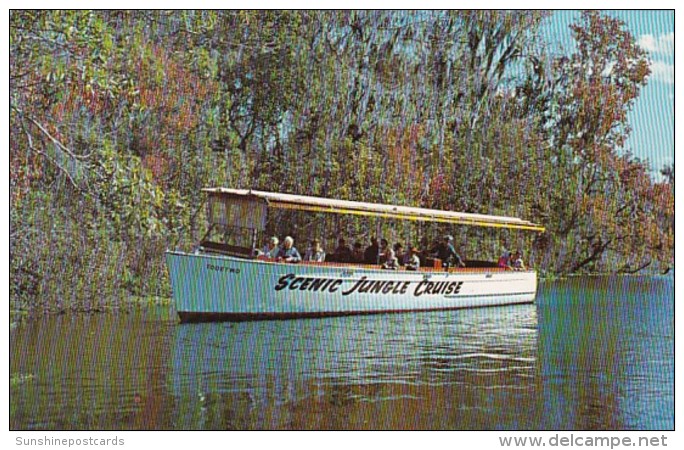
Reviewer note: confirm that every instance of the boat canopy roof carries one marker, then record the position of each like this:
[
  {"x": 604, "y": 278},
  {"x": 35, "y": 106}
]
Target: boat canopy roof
[{"x": 320, "y": 204}]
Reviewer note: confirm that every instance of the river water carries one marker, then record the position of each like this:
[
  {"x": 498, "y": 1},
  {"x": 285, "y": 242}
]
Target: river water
[{"x": 592, "y": 353}]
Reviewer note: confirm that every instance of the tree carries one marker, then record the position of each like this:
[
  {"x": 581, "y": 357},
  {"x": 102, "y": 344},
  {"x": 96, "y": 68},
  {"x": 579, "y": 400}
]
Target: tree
[
  {"x": 584, "y": 99},
  {"x": 118, "y": 119}
]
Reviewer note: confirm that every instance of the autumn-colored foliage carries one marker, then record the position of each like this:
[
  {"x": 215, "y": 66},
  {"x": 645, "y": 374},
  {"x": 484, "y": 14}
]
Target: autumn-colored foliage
[{"x": 119, "y": 118}]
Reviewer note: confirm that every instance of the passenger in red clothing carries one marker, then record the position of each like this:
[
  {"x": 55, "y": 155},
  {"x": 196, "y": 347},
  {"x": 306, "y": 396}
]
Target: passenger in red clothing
[{"x": 504, "y": 260}]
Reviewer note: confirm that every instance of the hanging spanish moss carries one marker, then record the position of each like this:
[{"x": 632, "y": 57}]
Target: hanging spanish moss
[{"x": 119, "y": 118}]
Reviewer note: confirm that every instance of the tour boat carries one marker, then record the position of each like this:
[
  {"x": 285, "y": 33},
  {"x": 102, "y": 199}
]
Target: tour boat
[{"x": 225, "y": 278}]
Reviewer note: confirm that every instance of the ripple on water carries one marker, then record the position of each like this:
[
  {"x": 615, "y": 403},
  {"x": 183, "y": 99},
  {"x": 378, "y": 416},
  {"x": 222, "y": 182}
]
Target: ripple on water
[{"x": 591, "y": 355}]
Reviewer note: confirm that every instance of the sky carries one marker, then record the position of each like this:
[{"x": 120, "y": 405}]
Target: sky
[{"x": 652, "y": 118}]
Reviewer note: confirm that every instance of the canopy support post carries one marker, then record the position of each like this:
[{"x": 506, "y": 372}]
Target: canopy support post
[{"x": 254, "y": 241}]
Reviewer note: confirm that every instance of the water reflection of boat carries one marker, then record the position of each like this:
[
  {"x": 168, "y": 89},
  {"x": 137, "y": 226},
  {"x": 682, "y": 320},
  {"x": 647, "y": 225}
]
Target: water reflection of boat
[
  {"x": 339, "y": 373},
  {"x": 227, "y": 281}
]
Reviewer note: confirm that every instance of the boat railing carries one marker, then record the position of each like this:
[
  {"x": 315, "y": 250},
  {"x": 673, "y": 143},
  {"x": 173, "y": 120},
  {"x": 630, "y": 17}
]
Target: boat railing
[
  {"x": 227, "y": 249},
  {"x": 433, "y": 264},
  {"x": 489, "y": 267}
]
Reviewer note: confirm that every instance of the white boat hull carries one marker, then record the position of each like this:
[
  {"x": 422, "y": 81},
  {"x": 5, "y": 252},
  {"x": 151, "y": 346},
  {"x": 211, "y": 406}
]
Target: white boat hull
[{"x": 213, "y": 287}]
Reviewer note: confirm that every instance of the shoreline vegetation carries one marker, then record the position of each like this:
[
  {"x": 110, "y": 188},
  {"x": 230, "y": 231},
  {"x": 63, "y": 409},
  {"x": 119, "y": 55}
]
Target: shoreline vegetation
[{"x": 119, "y": 118}]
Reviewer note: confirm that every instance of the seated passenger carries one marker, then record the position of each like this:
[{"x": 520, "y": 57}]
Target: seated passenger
[
  {"x": 384, "y": 247},
  {"x": 447, "y": 253},
  {"x": 271, "y": 249},
  {"x": 399, "y": 252},
  {"x": 357, "y": 253},
  {"x": 424, "y": 254},
  {"x": 315, "y": 253},
  {"x": 391, "y": 261},
  {"x": 343, "y": 253},
  {"x": 370, "y": 256},
  {"x": 517, "y": 262},
  {"x": 412, "y": 260},
  {"x": 504, "y": 260},
  {"x": 288, "y": 253}
]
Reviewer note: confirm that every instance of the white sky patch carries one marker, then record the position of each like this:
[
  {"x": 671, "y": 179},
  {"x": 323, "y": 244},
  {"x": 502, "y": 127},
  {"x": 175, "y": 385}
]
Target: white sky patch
[
  {"x": 609, "y": 69},
  {"x": 657, "y": 45},
  {"x": 661, "y": 48},
  {"x": 662, "y": 71}
]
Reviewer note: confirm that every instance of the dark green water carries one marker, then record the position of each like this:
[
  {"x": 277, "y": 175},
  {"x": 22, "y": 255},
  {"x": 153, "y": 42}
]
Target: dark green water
[{"x": 592, "y": 353}]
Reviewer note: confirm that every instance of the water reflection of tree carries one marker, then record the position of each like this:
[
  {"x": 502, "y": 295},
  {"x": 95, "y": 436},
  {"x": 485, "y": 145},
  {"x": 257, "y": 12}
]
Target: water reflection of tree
[{"x": 581, "y": 357}]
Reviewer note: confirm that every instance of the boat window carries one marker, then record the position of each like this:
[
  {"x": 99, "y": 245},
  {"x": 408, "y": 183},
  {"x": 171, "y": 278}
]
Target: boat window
[
  {"x": 237, "y": 212},
  {"x": 234, "y": 224}
]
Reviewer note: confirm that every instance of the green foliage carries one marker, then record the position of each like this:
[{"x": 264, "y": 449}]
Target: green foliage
[
  {"x": 118, "y": 119},
  {"x": 17, "y": 379},
  {"x": 129, "y": 197}
]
